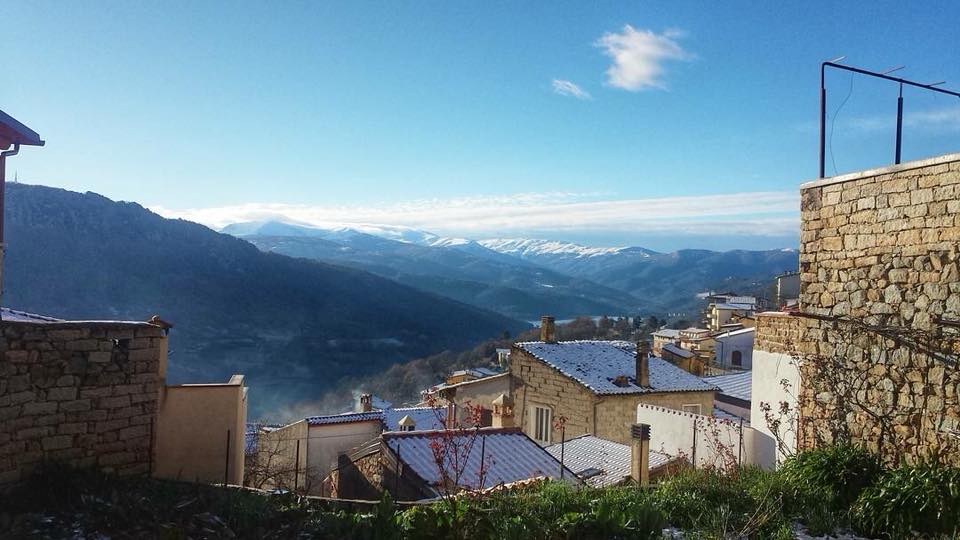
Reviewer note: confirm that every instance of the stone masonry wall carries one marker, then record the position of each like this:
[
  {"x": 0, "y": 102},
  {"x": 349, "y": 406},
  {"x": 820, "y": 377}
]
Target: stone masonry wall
[
  {"x": 81, "y": 393},
  {"x": 536, "y": 383},
  {"x": 880, "y": 250},
  {"x": 609, "y": 417}
]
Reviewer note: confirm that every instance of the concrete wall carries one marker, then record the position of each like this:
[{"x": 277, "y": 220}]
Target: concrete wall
[
  {"x": 200, "y": 432},
  {"x": 615, "y": 414},
  {"x": 704, "y": 440},
  {"x": 83, "y": 393},
  {"x": 276, "y": 464},
  {"x": 882, "y": 248}
]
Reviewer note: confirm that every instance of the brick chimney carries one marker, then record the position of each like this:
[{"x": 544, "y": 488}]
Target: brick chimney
[
  {"x": 640, "y": 454},
  {"x": 548, "y": 331},
  {"x": 643, "y": 364},
  {"x": 366, "y": 403}
]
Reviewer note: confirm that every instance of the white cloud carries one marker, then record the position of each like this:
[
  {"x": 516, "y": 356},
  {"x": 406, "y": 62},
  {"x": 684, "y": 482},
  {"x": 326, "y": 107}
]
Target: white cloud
[
  {"x": 567, "y": 88},
  {"x": 754, "y": 213},
  {"x": 638, "y": 57}
]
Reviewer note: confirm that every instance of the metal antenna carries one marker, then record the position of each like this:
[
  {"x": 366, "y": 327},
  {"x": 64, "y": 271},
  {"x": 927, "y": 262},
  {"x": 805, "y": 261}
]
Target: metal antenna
[{"x": 889, "y": 71}]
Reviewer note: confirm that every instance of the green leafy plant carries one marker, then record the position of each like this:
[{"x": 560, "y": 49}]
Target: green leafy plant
[
  {"x": 835, "y": 475},
  {"x": 910, "y": 500}
]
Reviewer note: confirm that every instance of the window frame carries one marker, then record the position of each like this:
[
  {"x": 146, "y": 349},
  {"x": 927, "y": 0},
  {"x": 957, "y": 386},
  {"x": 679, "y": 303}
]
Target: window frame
[
  {"x": 736, "y": 358},
  {"x": 542, "y": 418}
]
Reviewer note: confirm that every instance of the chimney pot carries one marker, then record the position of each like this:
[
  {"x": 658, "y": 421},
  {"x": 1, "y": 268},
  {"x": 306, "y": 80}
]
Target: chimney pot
[
  {"x": 640, "y": 453},
  {"x": 366, "y": 403},
  {"x": 548, "y": 329},
  {"x": 643, "y": 364}
]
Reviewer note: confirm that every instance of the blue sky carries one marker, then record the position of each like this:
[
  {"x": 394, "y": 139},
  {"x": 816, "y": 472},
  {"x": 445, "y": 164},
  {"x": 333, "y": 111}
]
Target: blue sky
[{"x": 662, "y": 124}]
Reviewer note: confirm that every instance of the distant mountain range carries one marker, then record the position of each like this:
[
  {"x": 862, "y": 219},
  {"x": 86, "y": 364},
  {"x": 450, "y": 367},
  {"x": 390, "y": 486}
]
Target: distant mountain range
[
  {"x": 457, "y": 268},
  {"x": 524, "y": 278},
  {"x": 293, "y": 326}
]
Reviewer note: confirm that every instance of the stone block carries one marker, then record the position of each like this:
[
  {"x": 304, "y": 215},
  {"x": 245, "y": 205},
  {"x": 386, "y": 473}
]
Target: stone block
[{"x": 39, "y": 408}]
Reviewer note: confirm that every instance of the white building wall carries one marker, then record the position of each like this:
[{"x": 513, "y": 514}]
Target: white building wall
[
  {"x": 770, "y": 370},
  {"x": 706, "y": 440},
  {"x": 725, "y": 346}
]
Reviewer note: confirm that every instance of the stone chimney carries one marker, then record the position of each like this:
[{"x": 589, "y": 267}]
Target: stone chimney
[
  {"x": 643, "y": 364},
  {"x": 548, "y": 330},
  {"x": 640, "y": 454},
  {"x": 502, "y": 412},
  {"x": 407, "y": 424},
  {"x": 366, "y": 403}
]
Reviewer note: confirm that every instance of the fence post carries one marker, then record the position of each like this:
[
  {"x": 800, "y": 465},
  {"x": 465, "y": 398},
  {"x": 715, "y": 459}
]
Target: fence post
[
  {"x": 296, "y": 469},
  {"x": 226, "y": 462},
  {"x": 694, "y": 453},
  {"x": 740, "y": 453}
]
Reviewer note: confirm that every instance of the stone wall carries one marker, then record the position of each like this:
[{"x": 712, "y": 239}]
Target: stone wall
[
  {"x": 879, "y": 265},
  {"x": 608, "y": 416},
  {"x": 84, "y": 393}
]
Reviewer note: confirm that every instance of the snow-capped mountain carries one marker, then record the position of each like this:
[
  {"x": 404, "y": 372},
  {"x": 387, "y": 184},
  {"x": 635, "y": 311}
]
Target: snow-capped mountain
[{"x": 526, "y": 247}]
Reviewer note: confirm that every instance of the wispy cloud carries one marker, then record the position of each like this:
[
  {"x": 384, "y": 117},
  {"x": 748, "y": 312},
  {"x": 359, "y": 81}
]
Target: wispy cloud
[
  {"x": 567, "y": 88},
  {"x": 639, "y": 55},
  {"x": 936, "y": 121},
  {"x": 753, "y": 213}
]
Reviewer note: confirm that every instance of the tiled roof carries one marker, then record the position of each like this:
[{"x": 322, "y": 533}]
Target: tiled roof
[
  {"x": 345, "y": 418},
  {"x": 13, "y": 315},
  {"x": 611, "y": 459},
  {"x": 596, "y": 364},
  {"x": 677, "y": 351},
  {"x": 508, "y": 453},
  {"x": 738, "y": 385},
  {"x": 668, "y": 333},
  {"x": 426, "y": 418}
]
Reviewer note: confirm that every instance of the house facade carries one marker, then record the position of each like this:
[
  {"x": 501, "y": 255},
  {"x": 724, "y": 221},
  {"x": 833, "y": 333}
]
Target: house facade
[
  {"x": 595, "y": 388},
  {"x": 734, "y": 350}
]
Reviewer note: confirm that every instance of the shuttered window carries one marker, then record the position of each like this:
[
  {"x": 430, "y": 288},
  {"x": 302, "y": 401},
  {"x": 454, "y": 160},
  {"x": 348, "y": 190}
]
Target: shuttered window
[{"x": 542, "y": 424}]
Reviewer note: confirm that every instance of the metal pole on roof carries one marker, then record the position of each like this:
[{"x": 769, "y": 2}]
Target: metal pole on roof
[{"x": 563, "y": 445}]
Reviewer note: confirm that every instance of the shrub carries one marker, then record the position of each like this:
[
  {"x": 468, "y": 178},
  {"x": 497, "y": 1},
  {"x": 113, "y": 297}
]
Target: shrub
[
  {"x": 832, "y": 476},
  {"x": 922, "y": 498}
]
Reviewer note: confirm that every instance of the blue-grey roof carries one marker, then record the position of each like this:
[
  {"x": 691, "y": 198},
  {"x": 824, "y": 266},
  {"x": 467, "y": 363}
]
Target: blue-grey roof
[
  {"x": 596, "y": 364},
  {"x": 738, "y": 385},
  {"x": 724, "y": 415},
  {"x": 677, "y": 350},
  {"x": 13, "y": 315},
  {"x": 609, "y": 460},
  {"x": 731, "y": 306},
  {"x": 344, "y": 418},
  {"x": 425, "y": 418},
  {"x": 508, "y": 453}
]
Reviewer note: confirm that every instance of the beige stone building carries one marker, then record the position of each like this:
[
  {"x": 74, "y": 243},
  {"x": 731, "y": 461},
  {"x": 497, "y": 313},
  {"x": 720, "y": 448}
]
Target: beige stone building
[
  {"x": 875, "y": 341},
  {"x": 595, "y": 387},
  {"x": 93, "y": 394}
]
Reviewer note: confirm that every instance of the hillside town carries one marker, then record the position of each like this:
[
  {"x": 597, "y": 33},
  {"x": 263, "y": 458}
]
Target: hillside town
[{"x": 500, "y": 387}]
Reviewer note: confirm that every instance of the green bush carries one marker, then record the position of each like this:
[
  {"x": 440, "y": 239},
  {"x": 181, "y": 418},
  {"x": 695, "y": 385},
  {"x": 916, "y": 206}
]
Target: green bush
[
  {"x": 913, "y": 499},
  {"x": 832, "y": 476}
]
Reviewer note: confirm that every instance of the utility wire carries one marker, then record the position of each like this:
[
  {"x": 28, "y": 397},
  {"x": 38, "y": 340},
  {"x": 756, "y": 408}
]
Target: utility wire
[{"x": 833, "y": 123}]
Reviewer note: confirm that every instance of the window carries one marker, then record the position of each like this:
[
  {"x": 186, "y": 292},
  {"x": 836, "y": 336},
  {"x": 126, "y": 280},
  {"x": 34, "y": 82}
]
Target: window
[
  {"x": 737, "y": 358},
  {"x": 542, "y": 424},
  {"x": 693, "y": 408}
]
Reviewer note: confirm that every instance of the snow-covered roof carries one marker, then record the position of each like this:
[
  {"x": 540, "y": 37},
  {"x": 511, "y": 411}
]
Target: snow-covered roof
[
  {"x": 724, "y": 415},
  {"x": 425, "y": 418},
  {"x": 596, "y": 364},
  {"x": 668, "y": 333},
  {"x": 508, "y": 455},
  {"x": 735, "y": 333},
  {"x": 677, "y": 351},
  {"x": 600, "y": 462},
  {"x": 730, "y": 306},
  {"x": 738, "y": 385},
  {"x": 13, "y": 315}
]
